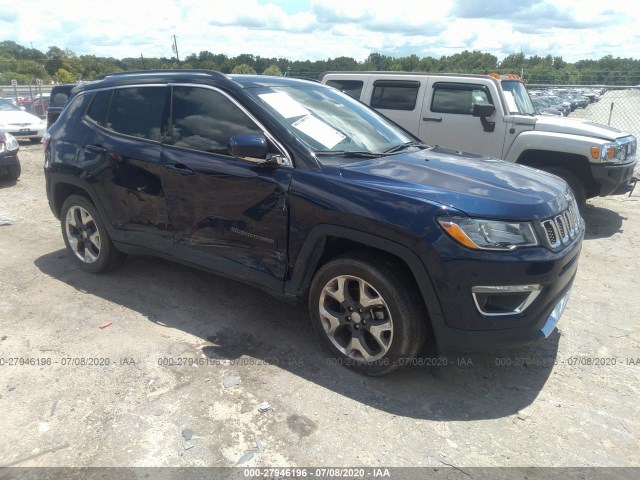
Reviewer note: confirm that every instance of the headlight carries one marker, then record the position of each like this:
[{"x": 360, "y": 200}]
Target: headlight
[
  {"x": 483, "y": 234},
  {"x": 11, "y": 142},
  {"x": 615, "y": 152}
]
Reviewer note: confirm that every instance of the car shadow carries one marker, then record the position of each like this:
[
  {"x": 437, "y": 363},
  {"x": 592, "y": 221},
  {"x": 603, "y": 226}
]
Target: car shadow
[
  {"x": 235, "y": 321},
  {"x": 601, "y": 222}
]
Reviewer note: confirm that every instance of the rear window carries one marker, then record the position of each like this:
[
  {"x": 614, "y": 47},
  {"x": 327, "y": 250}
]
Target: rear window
[
  {"x": 99, "y": 107},
  {"x": 60, "y": 95}
]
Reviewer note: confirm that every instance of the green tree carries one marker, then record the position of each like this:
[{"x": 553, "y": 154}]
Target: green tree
[
  {"x": 243, "y": 69},
  {"x": 63, "y": 76},
  {"x": 272, "y": 70}
]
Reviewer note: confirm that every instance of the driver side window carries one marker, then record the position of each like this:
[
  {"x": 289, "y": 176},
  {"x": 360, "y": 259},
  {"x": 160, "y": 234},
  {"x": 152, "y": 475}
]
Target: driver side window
[{"x": 205, "y": 120}]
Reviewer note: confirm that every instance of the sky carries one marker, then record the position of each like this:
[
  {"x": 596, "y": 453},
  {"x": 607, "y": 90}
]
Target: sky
[{"x": 322, "y": 29}]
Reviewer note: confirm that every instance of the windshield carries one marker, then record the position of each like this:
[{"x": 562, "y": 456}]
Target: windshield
[
  {"x": 331, "y": 123},
  {"x": 518, "y": 99},
  {"x": 7, "y": 106}
]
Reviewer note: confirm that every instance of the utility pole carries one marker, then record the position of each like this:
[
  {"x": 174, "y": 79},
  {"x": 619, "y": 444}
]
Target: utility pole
[
  {"x": 175, "y": 48},
  {"x": 143, "y": 65}
]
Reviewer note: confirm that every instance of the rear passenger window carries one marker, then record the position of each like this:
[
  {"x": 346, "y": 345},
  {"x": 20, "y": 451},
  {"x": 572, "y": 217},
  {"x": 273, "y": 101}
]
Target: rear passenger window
[
  {"x": 137, "y": 111},
  {"x": 205, "y": 120},
  {"x": 395, "y": 94},
  {"x": 457, "y": 98},
  {"x": 350, "y": 87},
  {"x": 99, "y": 107}
]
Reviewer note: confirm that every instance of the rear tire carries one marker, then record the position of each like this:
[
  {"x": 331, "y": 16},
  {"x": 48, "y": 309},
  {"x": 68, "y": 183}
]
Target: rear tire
[
  {"x": 367, "y": 313},
  {"x": 86, "y": 236}
]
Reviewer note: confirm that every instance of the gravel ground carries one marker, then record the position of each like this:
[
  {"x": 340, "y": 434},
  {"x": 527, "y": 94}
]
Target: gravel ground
[{"x": 156, "y": 364}]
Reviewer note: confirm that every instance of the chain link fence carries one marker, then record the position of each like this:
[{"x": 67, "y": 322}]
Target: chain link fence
[{"x": 618, "y": 106}]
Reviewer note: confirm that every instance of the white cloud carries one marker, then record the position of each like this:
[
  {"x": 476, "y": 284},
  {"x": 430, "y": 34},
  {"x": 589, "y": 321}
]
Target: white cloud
[{"x": 319, "y": 29}]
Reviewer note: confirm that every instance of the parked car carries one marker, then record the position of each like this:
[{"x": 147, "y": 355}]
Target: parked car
[
  {"x": 554, "y": 103},
  {"x": 58, "y": 99},
  {"x": 298, "y": 189},
  {"x": 39, "y": 105},
  {"x": 9, "y": 162},
  {"x": 493, "y": 115},
  {"x": 25, "y": 103},
  {"x": 543, "y": 109},
  {"x": 19, "y": 123}
]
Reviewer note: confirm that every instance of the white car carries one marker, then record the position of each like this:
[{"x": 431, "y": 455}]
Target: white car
[{"x": 20, "y": 124}]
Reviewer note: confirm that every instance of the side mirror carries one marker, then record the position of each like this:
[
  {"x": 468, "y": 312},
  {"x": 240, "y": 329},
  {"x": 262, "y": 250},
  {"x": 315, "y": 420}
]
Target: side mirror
[
  {"x": 249, "y": 147},
  {"x": 484, "y": 110}
]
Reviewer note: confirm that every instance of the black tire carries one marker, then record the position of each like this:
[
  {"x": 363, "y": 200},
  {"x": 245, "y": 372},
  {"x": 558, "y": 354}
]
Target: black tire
[
  {"x": 14, "y": 171},
  {"x": 374, "y": 335},
  {"x": 35, "y": 139},
  {"x": 86, "y": 236},
  {"x": 576, "y": 185}
]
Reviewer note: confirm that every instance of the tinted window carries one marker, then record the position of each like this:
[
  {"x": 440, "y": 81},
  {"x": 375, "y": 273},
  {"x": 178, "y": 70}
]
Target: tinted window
[
  {"x": 137, "y": 111},
  {"x": 395, "y": 94},
  {"x": 458, "y": 98},
  {"x": 205, "y": 120},
  {"x": 99, "y": 107},
  {"x": 350, "y": 87},
  {"x": 59, "y": 95}
]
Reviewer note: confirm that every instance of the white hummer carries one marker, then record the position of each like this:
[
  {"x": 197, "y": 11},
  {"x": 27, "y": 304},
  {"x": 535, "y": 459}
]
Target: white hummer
[{"x": 493, "y": 115}]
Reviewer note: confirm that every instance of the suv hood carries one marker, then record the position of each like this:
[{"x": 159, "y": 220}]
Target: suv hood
[
  {"x": 478, "y": 186},
  {"x": 575, "y": 126}
]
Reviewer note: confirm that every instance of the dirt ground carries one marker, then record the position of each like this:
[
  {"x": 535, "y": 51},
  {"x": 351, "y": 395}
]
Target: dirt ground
[{"x": 195, "y": 370}]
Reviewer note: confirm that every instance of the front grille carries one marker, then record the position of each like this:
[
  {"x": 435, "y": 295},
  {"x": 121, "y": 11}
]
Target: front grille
[{"x": 562, "y": 229}]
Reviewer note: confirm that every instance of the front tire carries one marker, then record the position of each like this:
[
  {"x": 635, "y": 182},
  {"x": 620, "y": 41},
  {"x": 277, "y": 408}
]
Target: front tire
[
  {"x": 367, "y": 313},
  {"x": 576, "y": 185},
  {"x": 14, "y": 171},
  {"x": 86, "y": 236}
]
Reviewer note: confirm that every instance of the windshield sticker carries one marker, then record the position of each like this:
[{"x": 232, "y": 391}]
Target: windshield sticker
[
  {"x": 319, "y": 131},
  {"x": 284, "y": 104},
  {"x": 511, "y": 101}
]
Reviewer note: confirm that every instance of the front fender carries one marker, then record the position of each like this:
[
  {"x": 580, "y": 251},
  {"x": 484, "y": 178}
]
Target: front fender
[{"x": 552, "y": 142}]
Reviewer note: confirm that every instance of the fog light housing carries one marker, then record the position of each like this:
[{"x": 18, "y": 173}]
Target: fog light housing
[{"x": 495, "y": 301}]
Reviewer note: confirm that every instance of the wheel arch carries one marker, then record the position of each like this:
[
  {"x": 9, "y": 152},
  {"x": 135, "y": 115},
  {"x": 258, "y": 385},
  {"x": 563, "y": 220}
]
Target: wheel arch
[
  {"x": 576, "y": 164},
  {"x": 325, "y": 242},
  {"x": 63, "y": 188}
]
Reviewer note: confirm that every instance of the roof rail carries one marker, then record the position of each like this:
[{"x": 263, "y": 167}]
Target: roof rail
[{"x": 212, "y": 73}]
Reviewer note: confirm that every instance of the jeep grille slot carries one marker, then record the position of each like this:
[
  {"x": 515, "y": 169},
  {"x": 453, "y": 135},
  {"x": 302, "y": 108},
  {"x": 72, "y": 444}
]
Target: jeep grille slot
[{"x": 561, "y": 229}]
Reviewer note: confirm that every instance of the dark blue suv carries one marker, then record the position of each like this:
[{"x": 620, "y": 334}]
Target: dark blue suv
[{"x": 300, "y": 190}]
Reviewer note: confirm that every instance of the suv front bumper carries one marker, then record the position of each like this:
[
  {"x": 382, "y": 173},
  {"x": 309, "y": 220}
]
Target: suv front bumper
[
  {"x": 461, "y": 326},
  {"x": 457, "y": 340},
  {"x": 613, "y": 179},
  {"x": 8, "y": 158}
]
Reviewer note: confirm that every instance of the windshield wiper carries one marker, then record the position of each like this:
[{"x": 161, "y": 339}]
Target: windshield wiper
[
  {"x": 402, "y": 146},
  {"x": 347, "y": 153}
]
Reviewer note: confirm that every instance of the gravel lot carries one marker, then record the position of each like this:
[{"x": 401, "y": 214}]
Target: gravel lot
[{"x": 179, "y": 375}]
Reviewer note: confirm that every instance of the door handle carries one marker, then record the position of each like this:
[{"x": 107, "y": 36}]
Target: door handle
[
  {"x": 432, "y": 119},
  {"x": 96, "y": 149},
  {"x": 179, "y": 168}
]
